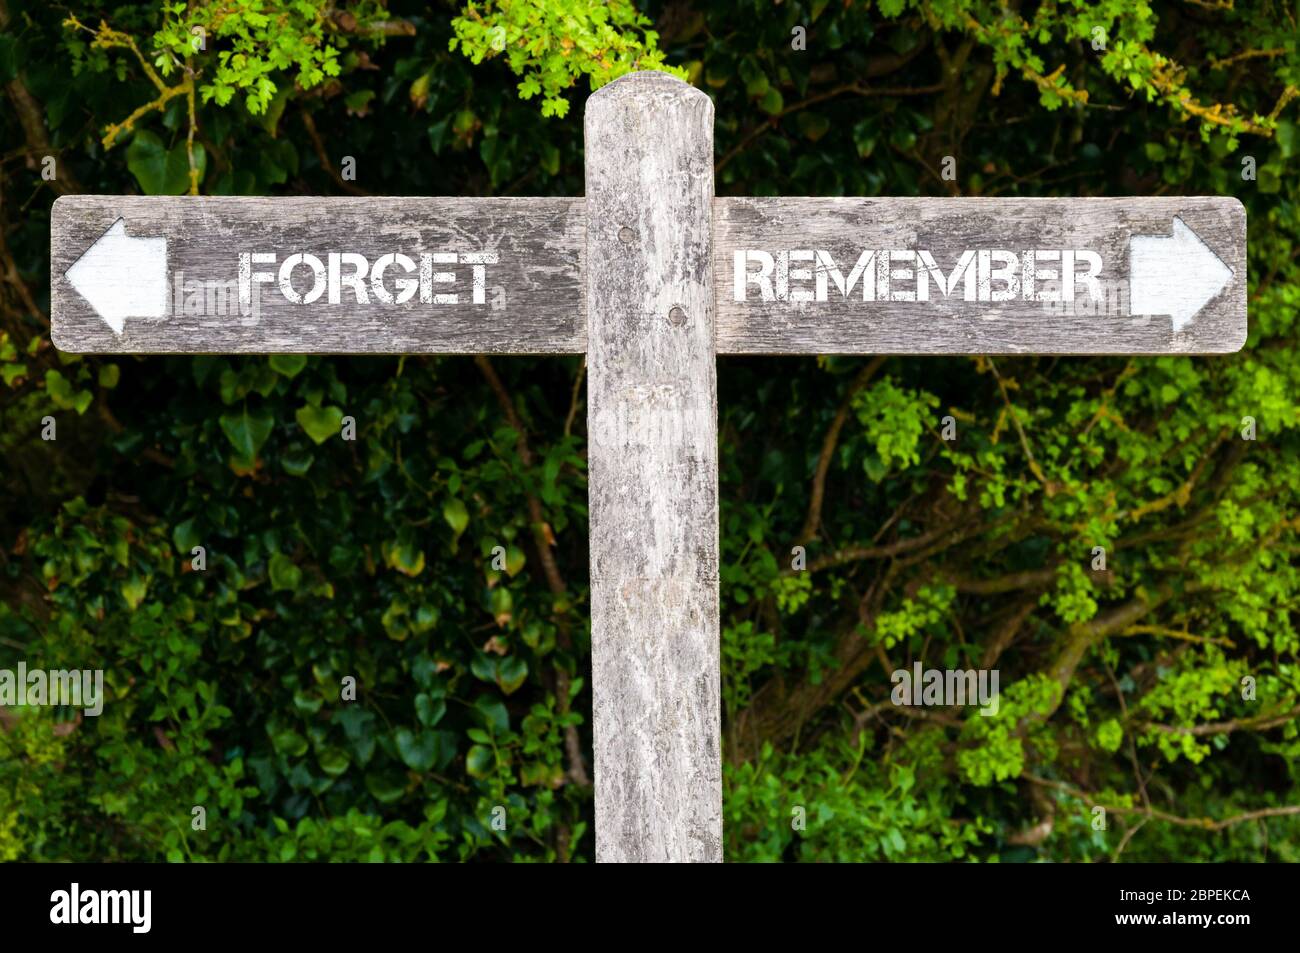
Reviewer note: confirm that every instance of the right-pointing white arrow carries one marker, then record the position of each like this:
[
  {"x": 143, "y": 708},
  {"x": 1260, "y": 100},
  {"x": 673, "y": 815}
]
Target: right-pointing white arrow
[
  {"x": 1175, "y": 275},
  {"x": 122, "y": 277}
]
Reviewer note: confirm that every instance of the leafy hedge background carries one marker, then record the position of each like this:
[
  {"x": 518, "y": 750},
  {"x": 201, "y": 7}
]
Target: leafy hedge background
[{"x": 372, "y": 559}]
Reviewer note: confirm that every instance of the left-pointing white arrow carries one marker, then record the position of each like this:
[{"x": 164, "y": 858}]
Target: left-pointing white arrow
[{"x": 122, "y": 277}]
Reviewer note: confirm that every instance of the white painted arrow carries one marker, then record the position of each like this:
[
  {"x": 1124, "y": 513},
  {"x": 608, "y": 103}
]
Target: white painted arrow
[
  {"x": 1175, "y": 275},
  {"x": 122, "y": 277}
]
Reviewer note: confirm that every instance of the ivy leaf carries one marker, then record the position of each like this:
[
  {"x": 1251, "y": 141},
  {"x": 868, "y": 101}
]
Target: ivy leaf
[
  {"x": 289, "y": 743},
  {"x": 159, "y": 170},
  {"x": 511, "y": 673},
  {"x": 64, "y": 395},
  {"x": 133, "y": 590},
  {"x": 483, "y": 667},
  {"x": 333, "y": 761},
  {"x": 457, "y": 517},
  {"x": 385, "y": 788},
  {"x": 1288, "y": 138},
  {"x": 429, "y": 710},
  {"x": 290, "y": 365},
  {"x": 247, "y": 432},
  {"x": 296, "y": 461},
  {"x": 494, "y": 713},
  {"x": 284, "y": 574},
  {"x": 321, "y": 423},
  {"x": 479, "y": 761},
  {"x": 501, "y": 605},
  {"x": 515, "y": 560},
  {"x": 185, "y": 536},
  {"x": 403, "y": 555},
  {"x": 417, "y": 751},
  {"x": 394, "y": 620}
]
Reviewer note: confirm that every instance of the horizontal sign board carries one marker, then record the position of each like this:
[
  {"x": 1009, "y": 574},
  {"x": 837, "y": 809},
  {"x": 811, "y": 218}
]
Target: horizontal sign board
[
  {"x": 979, "y": 276},
  {"x": 318, "y": 275},
  {"x": 791, "y": 275}
]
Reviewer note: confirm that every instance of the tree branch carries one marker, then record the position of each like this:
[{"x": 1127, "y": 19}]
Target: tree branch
[
  {"x": 1259, "y": 722},
  {"x": 542, "y": 542},
  {"x": 1204, "y": 823},
  {"x": 832, "y": 437}
]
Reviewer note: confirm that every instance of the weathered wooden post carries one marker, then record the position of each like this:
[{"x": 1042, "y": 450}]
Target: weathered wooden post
[{"x": 653, "y": 473}]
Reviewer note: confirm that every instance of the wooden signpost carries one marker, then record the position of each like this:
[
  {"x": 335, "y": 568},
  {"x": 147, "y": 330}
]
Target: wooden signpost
[
  {"x": 650, "y": 276},
  {"x": 317, "y": 275}
]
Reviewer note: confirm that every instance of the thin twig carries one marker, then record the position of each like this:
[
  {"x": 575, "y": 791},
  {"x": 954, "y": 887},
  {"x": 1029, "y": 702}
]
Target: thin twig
[
  {"x": 1024, "y": 441},
  {"x": 318, "y": 145},
  {"x": 573, "y": 399},
  {"x": 1204, "y": 823},
  {"x": 813, "y": 520}
]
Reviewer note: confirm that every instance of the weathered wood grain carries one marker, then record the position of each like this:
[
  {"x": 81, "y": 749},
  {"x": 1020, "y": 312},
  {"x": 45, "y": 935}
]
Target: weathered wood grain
[
  {"x": 534, "y": 299},
  {"x": 945, "y": 226},
  {"x": 653, "y": 472}
]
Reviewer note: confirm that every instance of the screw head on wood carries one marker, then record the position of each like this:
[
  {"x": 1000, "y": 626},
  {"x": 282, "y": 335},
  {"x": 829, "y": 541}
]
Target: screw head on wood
[
  {"x": 625, "y": 235},
  {"x": 676, "y": 316}
]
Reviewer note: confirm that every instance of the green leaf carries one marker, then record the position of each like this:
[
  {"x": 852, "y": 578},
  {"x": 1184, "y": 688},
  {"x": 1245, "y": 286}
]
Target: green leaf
[
  {"x": 290, "y": 365},
  {"x": 247, "y": 432},
  {"x": 333, "y": 761},
  {"x": 429, "y": 710},
  {"x": 457, "y": 517},
  {"x": 494, "y": 713},
  {"x": 159, "y": 170},
  {"x": 515, "y": 560},
  {"x": 394, "y": 620},
  {"x": 772, "y": 102},
  {"x": 501, "y": 604},
  {"x": 417, "y": 751},
  {"x": 479, "y": 761},
  {"x": 59, "y": 388},
  {"x": 185, "y": 536},
  {"x": 358, "y": 103},
  {"x": 296, "y": 461},
  {"x": 11, "y": 372},
  {"x": 425, "y": 618},
  {"x": 484, "y": 667},
  {"x": 289, "y": 743},
  {"x": 403, "y": 555},
  {"x": 321, "y": 423},
  {"x": 386, "y": 788},
  {"x": 1288, "y": 138},
  {"x": 133, "y": 590},
  {"x": 284, "y": 574},
  {"x": 511, "y": 673}
]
